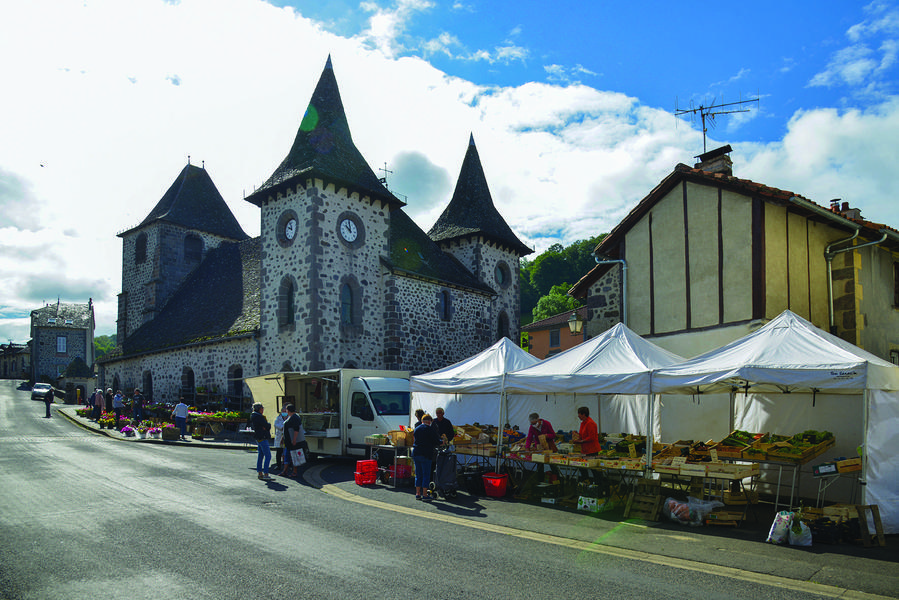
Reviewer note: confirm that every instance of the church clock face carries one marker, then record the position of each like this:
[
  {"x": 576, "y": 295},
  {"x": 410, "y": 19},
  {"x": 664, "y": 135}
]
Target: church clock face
[
  {"x": 290, "y": 229},
  {"x": 287, "y": 227},
  {"x": 350, "y": 230}
]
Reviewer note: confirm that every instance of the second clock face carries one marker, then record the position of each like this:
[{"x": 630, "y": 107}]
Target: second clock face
[
  {"x": 348, "y": 230},
  {"x": 290, "y": 229}
]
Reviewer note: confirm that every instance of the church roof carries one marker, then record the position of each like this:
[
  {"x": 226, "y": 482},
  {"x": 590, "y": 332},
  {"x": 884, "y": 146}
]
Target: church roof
[
  {"x": 324, "y": 148},
  {"x": 413, "y": 252},
  {"x": 471, "y": 211},
  {"x": 220, "y": 299},
  {"x": 194, "y": 202}
]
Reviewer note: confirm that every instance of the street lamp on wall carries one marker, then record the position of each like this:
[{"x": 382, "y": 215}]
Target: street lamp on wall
[{"x": 575, "y": 323}]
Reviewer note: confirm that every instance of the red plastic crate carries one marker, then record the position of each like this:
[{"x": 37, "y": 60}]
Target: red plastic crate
[
  {"x": 366, "y": 466},
  {"x": 366, "y": 478},
  {"x": 495, "y": 484}
]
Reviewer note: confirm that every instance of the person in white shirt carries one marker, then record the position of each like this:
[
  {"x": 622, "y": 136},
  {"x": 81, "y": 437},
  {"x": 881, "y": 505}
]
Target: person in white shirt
[{"x": 180, "y": 414}]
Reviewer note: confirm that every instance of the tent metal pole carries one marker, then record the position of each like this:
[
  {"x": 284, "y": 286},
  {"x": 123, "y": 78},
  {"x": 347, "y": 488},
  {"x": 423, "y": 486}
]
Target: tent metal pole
[
  {"x": 732, "y": 416},
  {"x": 650, "y": 440},
  {"x": 863, "y": 480}
]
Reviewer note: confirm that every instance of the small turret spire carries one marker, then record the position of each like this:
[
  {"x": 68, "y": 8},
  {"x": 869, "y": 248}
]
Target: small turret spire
[{"x": 328, "y": 63}]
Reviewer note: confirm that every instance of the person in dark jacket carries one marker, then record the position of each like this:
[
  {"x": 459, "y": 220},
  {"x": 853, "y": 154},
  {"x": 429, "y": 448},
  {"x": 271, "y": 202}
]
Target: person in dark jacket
[
  {"x": 262, "y": 432},
  {"x": 423, "y": 448},
  {"x": 48, "y": 400},
  {"x": 445, "y": 430}
]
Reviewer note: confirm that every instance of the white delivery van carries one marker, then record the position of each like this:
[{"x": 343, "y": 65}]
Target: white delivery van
[{"x": 339, "y": 407}]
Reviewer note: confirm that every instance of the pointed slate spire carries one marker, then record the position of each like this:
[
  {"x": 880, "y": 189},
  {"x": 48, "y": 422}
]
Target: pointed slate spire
[
  {"x": 194, "y": 202},
  {"x": 324, "y": 148},
  {"x": 471, "y": 211}
]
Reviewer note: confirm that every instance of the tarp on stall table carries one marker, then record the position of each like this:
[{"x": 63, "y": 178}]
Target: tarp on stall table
[{"x": 790, "y": 361}]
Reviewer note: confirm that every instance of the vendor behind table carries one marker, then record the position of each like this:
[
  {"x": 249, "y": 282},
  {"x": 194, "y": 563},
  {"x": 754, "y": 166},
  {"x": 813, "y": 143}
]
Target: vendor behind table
[
  {"x": 540, "y": 427},
  {"x": 588, "y": 434}
]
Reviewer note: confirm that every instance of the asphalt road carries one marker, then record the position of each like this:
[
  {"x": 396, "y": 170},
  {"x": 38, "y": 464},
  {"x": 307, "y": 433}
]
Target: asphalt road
[{"x": 86, "y": 516}]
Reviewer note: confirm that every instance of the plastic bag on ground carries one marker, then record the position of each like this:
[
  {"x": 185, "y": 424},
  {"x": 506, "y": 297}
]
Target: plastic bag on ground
[
  {"x": 692, "y": 512},
  {"x": 780, "y": 528},
  {"x": 800, "y": 534}
]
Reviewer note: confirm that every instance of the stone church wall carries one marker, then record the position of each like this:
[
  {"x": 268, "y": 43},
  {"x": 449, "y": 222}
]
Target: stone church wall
[{"x": 211, "y": 364}]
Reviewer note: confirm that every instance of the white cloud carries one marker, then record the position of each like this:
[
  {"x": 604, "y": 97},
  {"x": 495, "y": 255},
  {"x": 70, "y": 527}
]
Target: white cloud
[{"x": 828, "y": 153}]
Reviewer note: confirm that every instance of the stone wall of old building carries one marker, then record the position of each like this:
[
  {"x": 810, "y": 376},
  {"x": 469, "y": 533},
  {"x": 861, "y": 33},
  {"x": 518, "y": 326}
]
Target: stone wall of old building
[
  {"x": 317, "y": 263},
  {"x": 604, "y": 303},
  {"x": 149, "y": 283},
  {"x": 498, "y": 268},
  {"x": 48, "y": 363},
  {"x": 431, "y": 326},
  {"x": 211, "y": 363}
]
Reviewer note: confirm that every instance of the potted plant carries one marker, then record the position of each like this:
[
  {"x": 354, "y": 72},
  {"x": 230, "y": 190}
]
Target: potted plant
[
  {"x": 154, "y": 432},
  {"x": 142, "y": 431},
  {"x": 170, "y": 432},
  {"x": 127, "y": 431}
]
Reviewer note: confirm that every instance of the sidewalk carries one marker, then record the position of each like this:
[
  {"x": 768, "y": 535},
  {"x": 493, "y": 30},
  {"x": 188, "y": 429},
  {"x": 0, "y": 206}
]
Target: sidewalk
[
  {"x": 731, "y": 552},
  {"x": 69, "y": 411}
]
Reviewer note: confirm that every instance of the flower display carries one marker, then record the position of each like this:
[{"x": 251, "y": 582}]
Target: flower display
[{"x": 127, "y": 431}]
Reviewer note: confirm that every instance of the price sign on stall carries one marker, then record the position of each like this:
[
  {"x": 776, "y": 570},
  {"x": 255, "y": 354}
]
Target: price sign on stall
[
  {"x": 714, "y": 454},
  {"x": 632, "y": 450}
]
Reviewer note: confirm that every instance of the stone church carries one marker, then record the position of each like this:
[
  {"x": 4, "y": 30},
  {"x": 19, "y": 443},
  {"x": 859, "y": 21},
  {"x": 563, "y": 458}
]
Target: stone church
[{"x": 340, "y": 275}]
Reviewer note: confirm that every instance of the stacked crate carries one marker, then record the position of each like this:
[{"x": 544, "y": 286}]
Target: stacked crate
[{"x": 366, "y": 472}]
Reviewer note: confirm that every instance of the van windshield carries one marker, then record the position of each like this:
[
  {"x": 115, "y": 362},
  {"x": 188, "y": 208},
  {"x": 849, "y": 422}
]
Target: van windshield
[{"x": 391, "y": 403}]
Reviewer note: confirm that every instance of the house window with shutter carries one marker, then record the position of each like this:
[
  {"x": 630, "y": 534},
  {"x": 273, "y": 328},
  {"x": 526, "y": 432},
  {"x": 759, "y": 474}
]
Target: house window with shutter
[{"x": 554, "y": 338}]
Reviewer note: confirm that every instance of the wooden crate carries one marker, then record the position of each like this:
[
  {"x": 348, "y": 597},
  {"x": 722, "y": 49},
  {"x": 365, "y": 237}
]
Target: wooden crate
[{"x": 644, "y": 501}]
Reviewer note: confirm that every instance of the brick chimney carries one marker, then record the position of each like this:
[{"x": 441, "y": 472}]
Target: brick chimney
[
  {"x": 850, "y": 213},
  {"x": 716, "y": 161}
]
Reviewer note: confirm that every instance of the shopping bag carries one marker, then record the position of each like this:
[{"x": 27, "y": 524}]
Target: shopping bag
[{"x": 297, "y": 457}]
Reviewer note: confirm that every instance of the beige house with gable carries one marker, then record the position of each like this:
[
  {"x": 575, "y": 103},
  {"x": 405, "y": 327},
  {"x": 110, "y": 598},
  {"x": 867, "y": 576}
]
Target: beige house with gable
[{"x": 707, "y": 257}]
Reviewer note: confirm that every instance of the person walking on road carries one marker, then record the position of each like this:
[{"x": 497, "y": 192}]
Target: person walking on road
[
  {"x": 262, "y": 433},
  {"x": 48, "y": 400}
]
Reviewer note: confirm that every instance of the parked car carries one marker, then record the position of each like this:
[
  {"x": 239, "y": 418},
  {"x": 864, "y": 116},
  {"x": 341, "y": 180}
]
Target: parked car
[{"x": 40, "y": 391}]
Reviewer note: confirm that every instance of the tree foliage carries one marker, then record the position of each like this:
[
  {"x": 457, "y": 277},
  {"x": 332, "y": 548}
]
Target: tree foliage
[
  {"x": 103, "y": 344},
  {"x": 557, "y": 301},
  {"x": 557, "y": 264}
]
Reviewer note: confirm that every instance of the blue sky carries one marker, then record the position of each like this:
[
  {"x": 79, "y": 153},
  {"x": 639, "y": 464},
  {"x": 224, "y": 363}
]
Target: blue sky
[{"x": 572, "y": 106}]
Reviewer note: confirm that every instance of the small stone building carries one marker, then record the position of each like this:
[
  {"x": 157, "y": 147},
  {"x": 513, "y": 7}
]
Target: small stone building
[
  {"x": 60, "y": 333},
  {"x": 340, "y": 276}
]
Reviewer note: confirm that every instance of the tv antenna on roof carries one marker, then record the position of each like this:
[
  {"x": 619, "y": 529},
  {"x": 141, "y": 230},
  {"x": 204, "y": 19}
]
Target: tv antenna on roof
[{"x": 710, "y": 112}]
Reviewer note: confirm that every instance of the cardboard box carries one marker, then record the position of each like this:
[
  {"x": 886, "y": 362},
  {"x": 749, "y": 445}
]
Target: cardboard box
[
  {"x": 849, "y": 465},
  {"x": 558, "y": 459}
]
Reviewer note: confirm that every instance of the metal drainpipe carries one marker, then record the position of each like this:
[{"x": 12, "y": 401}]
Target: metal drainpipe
[{"x": 621, "y": 261}]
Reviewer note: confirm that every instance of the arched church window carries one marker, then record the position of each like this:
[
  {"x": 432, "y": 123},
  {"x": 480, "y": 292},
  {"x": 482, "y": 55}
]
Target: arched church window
[
  {"x": 193, "y": 248},
  {"x": 445, "y": 305},
  {"x": 187, "y": 384},
  {"x": 235, "y": 382},
  {"x": 140, "y": 248},
  {"x": 346, "y": 304},
  {"x": 287, "y": 302}
]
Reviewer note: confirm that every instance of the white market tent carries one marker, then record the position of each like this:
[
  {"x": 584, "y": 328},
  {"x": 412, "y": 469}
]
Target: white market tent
[
  {"x": 794, "y": 374},
  {"x": 470, "y": 390},
  {"x": 618, "y": 362}
]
